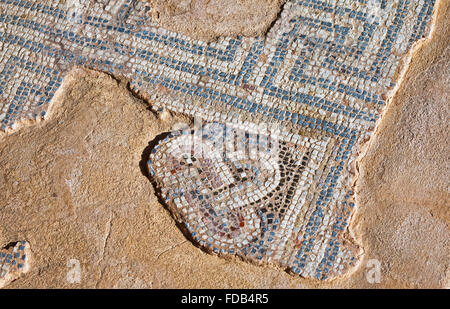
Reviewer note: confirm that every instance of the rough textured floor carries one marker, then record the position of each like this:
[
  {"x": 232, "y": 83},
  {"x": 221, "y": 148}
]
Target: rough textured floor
[{"x": 209, "y": 19}]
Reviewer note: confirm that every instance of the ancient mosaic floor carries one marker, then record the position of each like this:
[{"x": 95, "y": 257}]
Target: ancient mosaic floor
[{"x": 267, "y": 169}]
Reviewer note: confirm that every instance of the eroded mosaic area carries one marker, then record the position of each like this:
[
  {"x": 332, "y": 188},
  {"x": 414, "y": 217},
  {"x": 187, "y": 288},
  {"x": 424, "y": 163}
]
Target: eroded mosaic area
[
  {"x": 14, "y": 261},
  {"x": 235, "y": 190},
  {"x": 322, "y": 75}
]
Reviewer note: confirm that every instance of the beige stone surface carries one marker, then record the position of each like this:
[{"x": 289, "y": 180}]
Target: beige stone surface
[
  {"x": 75, "y": 187},
  {"x": 209, "y": 19},
  {"x": 403, "y": 189}
]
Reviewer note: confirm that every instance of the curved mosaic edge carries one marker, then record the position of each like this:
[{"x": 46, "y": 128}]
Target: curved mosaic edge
[{"x": 240, "y": 192}]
